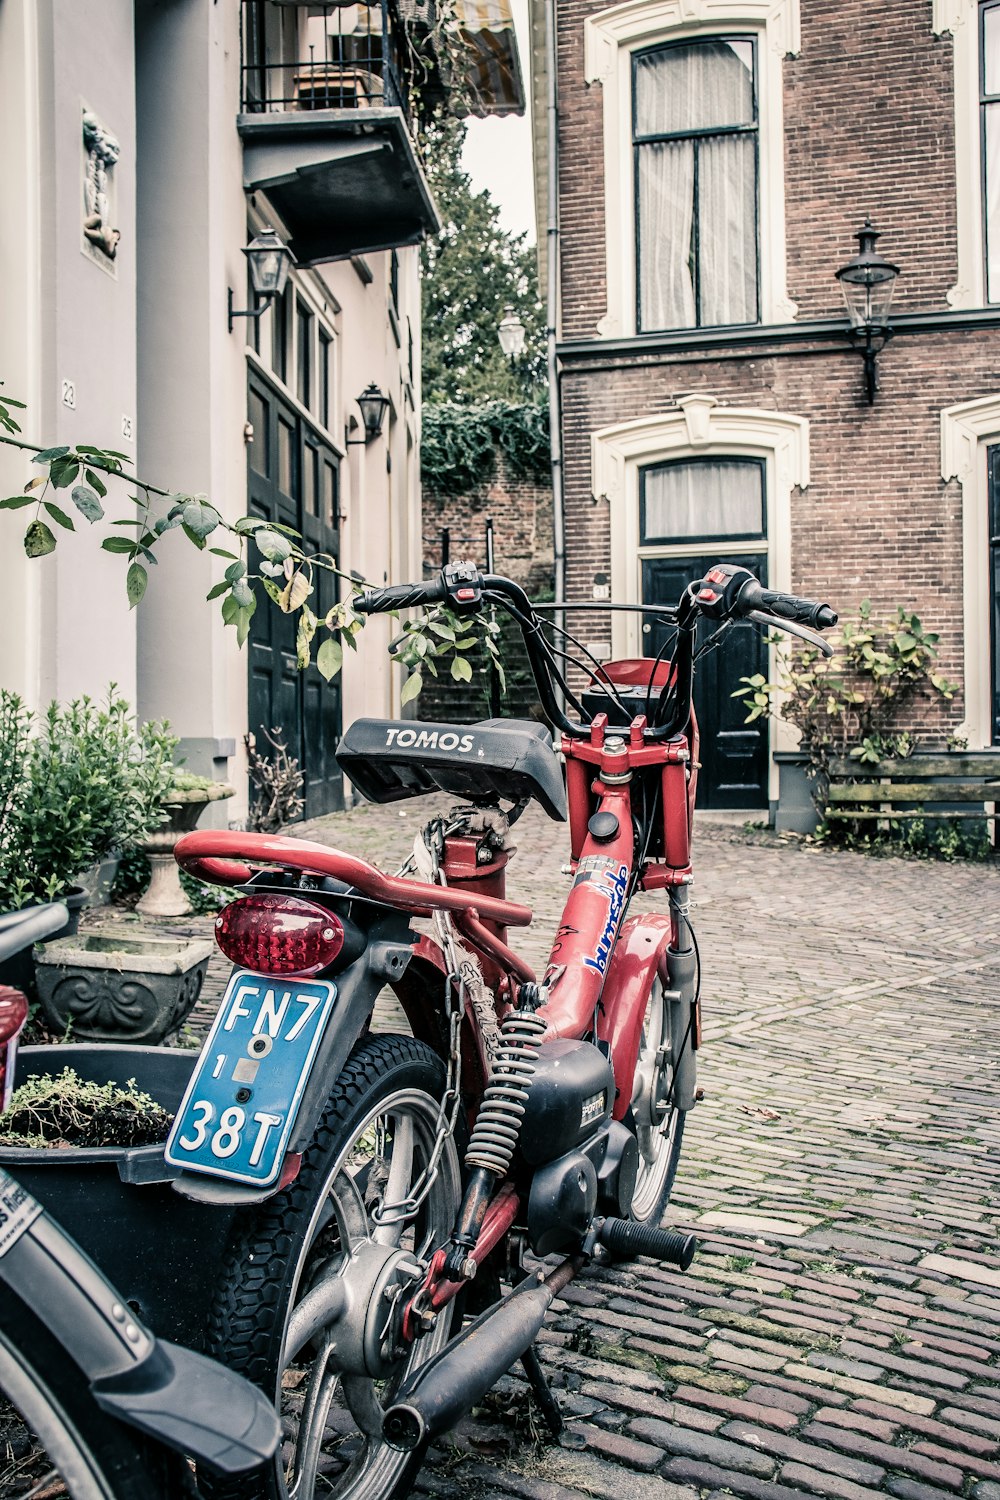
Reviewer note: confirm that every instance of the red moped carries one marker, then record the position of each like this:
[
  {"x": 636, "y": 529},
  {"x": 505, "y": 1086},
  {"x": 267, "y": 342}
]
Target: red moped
[{"x": 413, "y": 1203}]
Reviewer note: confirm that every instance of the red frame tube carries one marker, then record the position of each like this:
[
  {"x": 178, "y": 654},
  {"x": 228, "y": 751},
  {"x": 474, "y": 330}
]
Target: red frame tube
[{"x": 221, "y": 857}]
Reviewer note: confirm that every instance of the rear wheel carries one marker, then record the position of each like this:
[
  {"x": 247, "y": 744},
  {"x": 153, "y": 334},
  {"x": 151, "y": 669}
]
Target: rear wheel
[
  {"x": 52, "y": 1430},
  {"x": 659, "y": 1124},
  {"x": 314, "y": 1285}
]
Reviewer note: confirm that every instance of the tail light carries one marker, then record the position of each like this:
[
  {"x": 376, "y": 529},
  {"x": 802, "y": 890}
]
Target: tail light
[
  {"x": 285, "y": 935},
  {"x": 13, "y": 1014}
]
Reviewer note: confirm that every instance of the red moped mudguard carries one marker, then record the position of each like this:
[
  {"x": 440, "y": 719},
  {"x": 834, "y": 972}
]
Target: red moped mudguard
[{"x": 638, "y": 955}]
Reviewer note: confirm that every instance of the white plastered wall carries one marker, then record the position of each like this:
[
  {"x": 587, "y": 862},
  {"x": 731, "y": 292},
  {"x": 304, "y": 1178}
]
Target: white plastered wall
[{"x": 610, "y": 39}]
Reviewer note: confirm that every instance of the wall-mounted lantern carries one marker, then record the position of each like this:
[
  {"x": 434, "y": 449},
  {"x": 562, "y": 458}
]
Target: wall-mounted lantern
[
  {"x": 867, "y": 282},
  {"x": 270, "y": 261},
  {"x": 511, "y": 333},
  {"x": 373, "y": 409}
]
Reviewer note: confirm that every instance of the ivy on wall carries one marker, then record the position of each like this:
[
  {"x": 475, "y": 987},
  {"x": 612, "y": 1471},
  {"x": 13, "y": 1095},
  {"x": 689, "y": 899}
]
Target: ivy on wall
[{"x": 459, "y": 444}]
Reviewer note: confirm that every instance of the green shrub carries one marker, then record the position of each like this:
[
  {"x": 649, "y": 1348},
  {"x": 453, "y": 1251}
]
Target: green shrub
[{"x": 80, "y": 783}]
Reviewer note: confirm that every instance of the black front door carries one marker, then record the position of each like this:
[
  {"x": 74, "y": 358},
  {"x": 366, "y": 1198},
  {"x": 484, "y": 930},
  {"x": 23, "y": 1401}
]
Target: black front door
[
  {"x": 733, "y": 753},
  {"x": 293, "y": 479}
]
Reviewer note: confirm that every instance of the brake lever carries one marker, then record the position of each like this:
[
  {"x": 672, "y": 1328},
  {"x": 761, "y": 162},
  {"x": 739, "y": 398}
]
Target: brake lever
[{"x": 760, "y": 617}]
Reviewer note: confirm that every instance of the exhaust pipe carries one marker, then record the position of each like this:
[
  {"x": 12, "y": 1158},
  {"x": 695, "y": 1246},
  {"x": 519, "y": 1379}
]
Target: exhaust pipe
[{"x": 454, "y": 1380}]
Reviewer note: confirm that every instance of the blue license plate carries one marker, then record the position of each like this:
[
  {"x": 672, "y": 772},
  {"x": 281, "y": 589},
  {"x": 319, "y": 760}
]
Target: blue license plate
[{"x": 236, "y": 1117}]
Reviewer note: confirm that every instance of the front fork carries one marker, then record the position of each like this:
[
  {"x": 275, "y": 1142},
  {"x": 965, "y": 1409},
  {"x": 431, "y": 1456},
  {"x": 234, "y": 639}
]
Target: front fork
[{"x": 679, "y": 977}]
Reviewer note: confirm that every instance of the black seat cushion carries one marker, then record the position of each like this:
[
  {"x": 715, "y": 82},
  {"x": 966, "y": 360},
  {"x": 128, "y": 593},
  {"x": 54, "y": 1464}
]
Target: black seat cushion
[{"x": 390, "y": 759}]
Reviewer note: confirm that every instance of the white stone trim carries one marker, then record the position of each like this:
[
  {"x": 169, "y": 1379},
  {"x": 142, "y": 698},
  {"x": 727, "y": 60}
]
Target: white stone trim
[
  {"x": 610, "y": 38},
  {"x": 959, "y": 19},
  {"x": 699, "y": 425},
  {"x": 966, "y": 431}
]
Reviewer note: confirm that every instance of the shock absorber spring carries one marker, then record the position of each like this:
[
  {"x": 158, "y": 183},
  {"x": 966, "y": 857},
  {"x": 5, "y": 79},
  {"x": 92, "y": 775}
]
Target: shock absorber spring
[{"x": 498, "y": 1124}]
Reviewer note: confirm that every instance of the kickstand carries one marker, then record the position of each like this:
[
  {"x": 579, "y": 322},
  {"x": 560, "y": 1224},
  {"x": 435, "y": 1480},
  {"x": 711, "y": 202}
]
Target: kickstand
[{"x": 543, "y": 1391}]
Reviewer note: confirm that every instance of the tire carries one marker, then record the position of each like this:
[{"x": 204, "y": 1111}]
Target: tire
[
  {"x": 281, "y": 1252},
  {"x": 49, "y": 1422},
  {"x": 658, "y": 1123}
]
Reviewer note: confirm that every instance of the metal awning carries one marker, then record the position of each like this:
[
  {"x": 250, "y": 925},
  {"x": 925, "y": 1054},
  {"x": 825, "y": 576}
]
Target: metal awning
[
  {"x": 493, "y": 77},
  {"x": 344, "y": 182}
]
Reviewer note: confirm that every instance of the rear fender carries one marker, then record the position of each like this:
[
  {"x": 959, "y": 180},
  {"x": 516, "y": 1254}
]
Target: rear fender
[
  {"x": 182, "y": 1398},
  {"x": 384, "y": 961},
  {"x": 421, "y": 993},
  {"x": 642, "y": 954}
]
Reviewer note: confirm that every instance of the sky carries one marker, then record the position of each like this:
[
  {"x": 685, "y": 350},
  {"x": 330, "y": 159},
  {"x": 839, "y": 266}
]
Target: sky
[{"x": 497, "y": 153}]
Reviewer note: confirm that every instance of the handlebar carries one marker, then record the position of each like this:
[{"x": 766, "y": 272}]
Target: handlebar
[{"x": 727, "y": 592}]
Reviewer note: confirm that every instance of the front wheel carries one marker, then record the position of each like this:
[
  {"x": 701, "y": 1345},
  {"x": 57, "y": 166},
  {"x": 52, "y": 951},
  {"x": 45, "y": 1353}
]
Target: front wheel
[
  {"x": 659, "y": 1124},
  {"x": 314, "y": 1285},
  {"x": 54, "y": 1438}
]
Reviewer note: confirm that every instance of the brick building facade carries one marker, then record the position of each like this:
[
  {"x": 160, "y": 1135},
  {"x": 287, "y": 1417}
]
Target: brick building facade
[{"x": 715, "y": 158}]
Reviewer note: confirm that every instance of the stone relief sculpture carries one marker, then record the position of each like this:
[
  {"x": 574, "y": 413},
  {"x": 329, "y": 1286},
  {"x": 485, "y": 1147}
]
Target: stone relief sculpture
[{"x": 103, "y": 151}]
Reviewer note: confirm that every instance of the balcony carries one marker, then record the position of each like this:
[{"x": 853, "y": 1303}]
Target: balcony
[{"x": 325, "y": 122}]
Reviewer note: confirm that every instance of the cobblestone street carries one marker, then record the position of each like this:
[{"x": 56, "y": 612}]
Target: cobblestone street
[{"x": 839, "y": 1332}]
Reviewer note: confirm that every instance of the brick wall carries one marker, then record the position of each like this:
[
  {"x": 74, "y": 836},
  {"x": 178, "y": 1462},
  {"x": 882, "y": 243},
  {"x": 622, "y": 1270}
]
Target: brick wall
[
  {"x": 868, "y": 130},
  {"x": 521, "y": 511}
]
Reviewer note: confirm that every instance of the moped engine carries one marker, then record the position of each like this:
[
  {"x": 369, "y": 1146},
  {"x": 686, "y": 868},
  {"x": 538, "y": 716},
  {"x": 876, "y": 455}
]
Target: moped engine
[{"x": 584, "y": 1162}]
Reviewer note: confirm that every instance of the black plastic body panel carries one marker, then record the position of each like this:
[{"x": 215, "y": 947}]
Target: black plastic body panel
[
  {"x": 570, "y": 1098},
  {"x": 389, "y": 760}
]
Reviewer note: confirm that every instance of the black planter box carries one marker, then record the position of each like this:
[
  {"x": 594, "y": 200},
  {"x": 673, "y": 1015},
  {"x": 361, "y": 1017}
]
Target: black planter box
[{"x": 162, "y": 1251}]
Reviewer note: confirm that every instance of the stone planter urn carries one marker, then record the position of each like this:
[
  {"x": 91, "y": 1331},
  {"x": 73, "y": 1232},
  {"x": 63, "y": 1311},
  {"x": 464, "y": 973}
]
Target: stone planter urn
[
  {"x": 120, "y": 986},
  {"x": 165, "y": 896}
]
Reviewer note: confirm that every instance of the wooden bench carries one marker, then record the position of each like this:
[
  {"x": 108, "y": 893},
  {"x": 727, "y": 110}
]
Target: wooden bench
[{"x": 954, "y": 785}]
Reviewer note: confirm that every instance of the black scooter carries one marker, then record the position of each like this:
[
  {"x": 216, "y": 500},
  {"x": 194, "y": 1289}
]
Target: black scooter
[{"x": 87, "y": 1392}]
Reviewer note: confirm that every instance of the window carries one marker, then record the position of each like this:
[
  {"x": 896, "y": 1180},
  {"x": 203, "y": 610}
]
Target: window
[
  {"x": 694, "y": 124},
  {"x": 394, "y": 281},
  {"x": 304, "y": 354},
  {"x": 323, "y": 379},
  {"x": 693, "y": 137},
  {"x": 993, "y": 542},
  {"x": 279, "y": 335},
  {"x": 989, "y": 111},
  {"x": 693, "y": 501}
]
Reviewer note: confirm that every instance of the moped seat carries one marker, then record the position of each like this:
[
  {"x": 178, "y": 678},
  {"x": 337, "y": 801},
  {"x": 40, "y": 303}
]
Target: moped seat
[{"x": 392, "y": 759}]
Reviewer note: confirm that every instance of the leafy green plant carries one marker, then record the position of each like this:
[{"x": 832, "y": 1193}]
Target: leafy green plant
[
  {"x": 851, "y": 705},
  {"x": 440, "y": 636},
  {"x": 262, "y": 558},
  {"x": 80, "y": 783},
  {"x": 459, "y": 444},
  {"x": 65, "y": 1110}
]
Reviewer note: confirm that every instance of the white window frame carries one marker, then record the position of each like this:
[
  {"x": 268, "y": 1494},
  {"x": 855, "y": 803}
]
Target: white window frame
[
  {"x": 611, "y": 37},
  {"x": 699, "y": 427},
  {"x": 967, "y": 430},
  {"x": 959, "y": 19}
]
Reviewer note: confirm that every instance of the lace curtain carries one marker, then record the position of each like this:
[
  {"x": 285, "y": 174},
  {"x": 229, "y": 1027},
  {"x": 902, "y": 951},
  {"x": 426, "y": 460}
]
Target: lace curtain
[
  {"x": 693, "y": 501},
  {"x": 697, "y": 195}
]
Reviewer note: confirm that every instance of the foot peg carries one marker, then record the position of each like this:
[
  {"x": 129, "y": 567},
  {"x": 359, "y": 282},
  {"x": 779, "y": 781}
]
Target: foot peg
[{"x": 624, "y": 1239}]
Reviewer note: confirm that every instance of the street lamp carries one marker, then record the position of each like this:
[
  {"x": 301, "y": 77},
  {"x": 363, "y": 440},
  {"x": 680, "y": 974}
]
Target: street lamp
[
  {"x": 373, "y": 409},
  {"x": 867, "y": 282},
  {"x": 269, "y": 261},
  {"x": 511, "y": 333}
]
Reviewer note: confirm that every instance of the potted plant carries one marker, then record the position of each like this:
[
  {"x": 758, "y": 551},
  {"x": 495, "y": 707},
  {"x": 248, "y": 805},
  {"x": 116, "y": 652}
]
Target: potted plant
[
  {"x": 163, "y": 1251},
  {"x": 854, "y": 705},
  {"x": 78, "y": 783}
]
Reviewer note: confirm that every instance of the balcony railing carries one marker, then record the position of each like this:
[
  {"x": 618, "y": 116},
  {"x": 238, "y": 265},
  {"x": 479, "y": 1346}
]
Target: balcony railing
[{"x": 345, "y": 57}]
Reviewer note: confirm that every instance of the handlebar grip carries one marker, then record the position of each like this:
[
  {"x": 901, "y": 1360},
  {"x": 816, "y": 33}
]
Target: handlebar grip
[
  {"x": 397, "y": 596},
  {"x": 802, "y": 611}
]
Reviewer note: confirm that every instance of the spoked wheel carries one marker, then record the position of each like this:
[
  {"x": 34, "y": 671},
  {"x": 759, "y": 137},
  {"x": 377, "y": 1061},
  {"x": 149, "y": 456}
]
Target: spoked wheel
[
  {"x": 659, "y": 1123},
  {"x": 54, "y": 1438},
  {"x": 315, "y": 1286}
]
